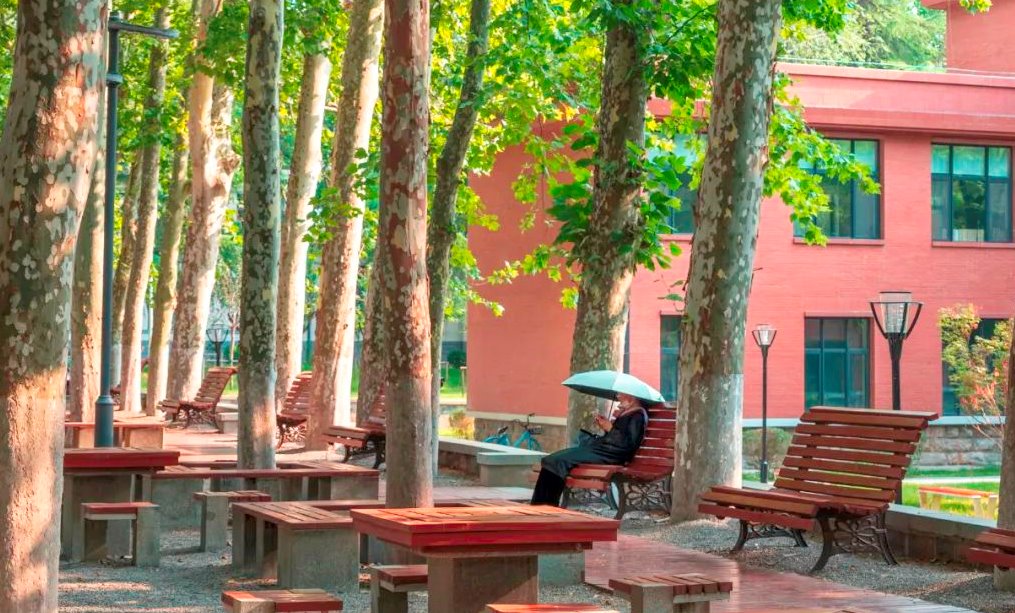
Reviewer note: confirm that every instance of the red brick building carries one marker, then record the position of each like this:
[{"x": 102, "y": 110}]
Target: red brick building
[{"x": 941, "y": 147}]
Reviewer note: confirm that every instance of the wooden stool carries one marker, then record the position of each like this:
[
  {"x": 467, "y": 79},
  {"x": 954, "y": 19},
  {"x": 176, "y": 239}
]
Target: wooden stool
[
  {"x": 272, "y": 601},
  {"x": 89, "y": 539},
  {"x": 547, "y": 608},
  {"x": 215, "y": 515},
  {"x": 390, "y": 587},
  {"x": 689, "y": 593}
]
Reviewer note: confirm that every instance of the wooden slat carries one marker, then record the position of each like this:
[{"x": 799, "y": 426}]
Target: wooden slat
[
  {"x": 998, "y": 539},
  {"x": 884, "y": 459},
  {"x": 887, "y": 434},
  {"x": 990, "y": 557},
  {"x": 884, "y": 496},
  {"x": 874, "y": 414},
  {"x": 861, "y": 444},
  {"x": 873, "y": 470},
  {"x": 819, "y": 476},
  {"x": 820, "y": 416},
  {"x": 762, "y": 517},
  {"x": 744, "y": 499}
]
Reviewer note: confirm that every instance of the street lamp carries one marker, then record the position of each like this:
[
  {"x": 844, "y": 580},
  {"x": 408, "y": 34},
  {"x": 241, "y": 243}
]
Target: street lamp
[
  {"x": 218, "y": 335},
  {"x": 764, "y": 336},
  {"x": 895, "y": 314},
  {"x": 104, "y": 404}
]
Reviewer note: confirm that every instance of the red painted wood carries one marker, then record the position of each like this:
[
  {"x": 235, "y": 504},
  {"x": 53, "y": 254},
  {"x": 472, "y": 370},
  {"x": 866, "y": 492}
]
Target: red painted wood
[
  {"x": 547, "y": 608},
  {"x": 119, "y": 458},
  {"x": 403, "y": 575},
  {"x": 115, "y": 508},
  {"x": 286, "y": 600},
  {"x": 295, "y": 515}
]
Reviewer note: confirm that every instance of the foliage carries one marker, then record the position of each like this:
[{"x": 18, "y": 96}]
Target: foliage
[
  {"x": 977, "y": 366},
  {"x": 778, "y": 446}
]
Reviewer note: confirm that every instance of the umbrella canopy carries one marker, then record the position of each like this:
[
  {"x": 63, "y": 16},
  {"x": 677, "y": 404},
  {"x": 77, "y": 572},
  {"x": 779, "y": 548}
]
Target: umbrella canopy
[{"x": 609, "y": 383}]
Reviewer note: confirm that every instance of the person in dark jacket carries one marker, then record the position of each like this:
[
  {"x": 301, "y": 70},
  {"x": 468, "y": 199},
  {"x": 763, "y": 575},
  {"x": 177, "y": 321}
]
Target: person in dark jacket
[{"x": 617, "y": 445}]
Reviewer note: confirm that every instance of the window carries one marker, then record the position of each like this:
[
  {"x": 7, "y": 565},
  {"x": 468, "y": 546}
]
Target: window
[
  {"x": 971, "y": 193},
  {"x": 669, "y": 355},
  {"x": 949, "y": 398},
  {"x": 853, "y": 213},
  {"x": 682, "y": 220},
  {"x": 837, "y": 362}
]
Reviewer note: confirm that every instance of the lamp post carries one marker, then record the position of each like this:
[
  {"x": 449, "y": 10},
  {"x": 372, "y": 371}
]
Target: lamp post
[
  {"x": 764, "y": 336},
  {"x": 104, "y": 404},
  {"x": 217, "y": 335},
  {"x": 895, "y": 314}
]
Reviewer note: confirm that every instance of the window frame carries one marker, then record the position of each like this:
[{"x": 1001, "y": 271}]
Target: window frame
[
  {"x": 673, "y": 353},
  {"x": 953, "y": 409},
  {"x": 854, "y": 190},
  {"x": 949, "y": 214},
  {"x": 847, "y": 352}
]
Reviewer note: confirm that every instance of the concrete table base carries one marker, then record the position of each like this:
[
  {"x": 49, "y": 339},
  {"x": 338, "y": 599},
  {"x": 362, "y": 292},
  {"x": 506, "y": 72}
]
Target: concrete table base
[
  {"x": 214, "y": 523},
  {"x": 175, "y": 498},
  {"x": 327, "y": 559},
  {"x": 467, "y": 584},
  {"x": 343, "y": 488},
  {"x": 84, "y": 487},
  {"x": 562, "y": 569},
  {"x": 1004, "y": 579}
]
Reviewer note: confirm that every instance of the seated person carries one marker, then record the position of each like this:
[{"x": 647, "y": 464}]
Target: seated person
[{"x": 617, "y": 446}]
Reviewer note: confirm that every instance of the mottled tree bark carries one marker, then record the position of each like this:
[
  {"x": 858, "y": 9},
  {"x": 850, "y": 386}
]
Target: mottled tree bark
[
  {"x": 165, "y": 290},
  {"x": 147, "y": 214},
  {"x": 1006, "y": 504},
  {"x": 121, "y": 275},
  {"x": 708, "y": 440},
  {"x": 47, "y": 156},
  {"x": 261, "y": 208},
  {"x": 442, "y": 228},
  {"x": 86, "y": 298},
  {"x": 304, "y": 173},
  {"x": 607, "y": 267},
  {"x": 399, "y": 273},
  {"x": 214, "y": 163},
  {"x": 340, "y": 257}
]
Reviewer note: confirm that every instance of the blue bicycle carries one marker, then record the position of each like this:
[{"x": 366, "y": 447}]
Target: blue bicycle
[{"x": 527, "y": 437}]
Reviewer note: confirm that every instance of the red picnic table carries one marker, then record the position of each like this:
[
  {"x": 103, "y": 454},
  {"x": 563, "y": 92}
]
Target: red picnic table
[
  {"x": 105, "y": 475},
  {"x": 482, "y": 555}
]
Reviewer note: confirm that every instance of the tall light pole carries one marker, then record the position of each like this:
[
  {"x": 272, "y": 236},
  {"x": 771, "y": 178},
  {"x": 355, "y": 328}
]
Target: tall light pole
[
  {"x": 104, "y": 404},
  {"x": 764, "y": 336},
  {"x": 895, "y": 314}
]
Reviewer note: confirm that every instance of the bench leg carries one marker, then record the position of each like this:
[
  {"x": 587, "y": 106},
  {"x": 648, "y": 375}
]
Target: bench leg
[
  {"x": 385, "y": 601},
  {"x": 1004, "y": 579},
  {"x": 244, "y": 537},
  {"x": 266, "y": 554},
  {"x": 214, "y": 523},
  {"x": 146, "y": 537},
  {"x": 652, "y": 599},
  {"x": 89, "y": 541},
  {"x": 749, "y": 531},
  {"x": 327, "y": 559}
]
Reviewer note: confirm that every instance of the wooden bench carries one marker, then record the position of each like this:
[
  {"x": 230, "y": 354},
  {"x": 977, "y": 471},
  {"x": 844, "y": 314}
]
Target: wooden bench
[
  {"x": 996, "y": 547},
  {"x": 369, "y": 437},
  {"x": 390, "y": 586},
  {"x": 687, "y": 593},
  {"x": 547, "y": 608},
  {"x": 301, "y": 545},
  {"x": 843, "y": 468},
  {"x": 215, "y": 515},
  {"x": 276, "y": 601},
  {"x": 203, "y": 405},
  {"x": 291, "y": 421},
  {"x": 89, "y": 539},
  {"x": 314, "y": 480},
  {"x": 643, "y": 484},
  {"x": 984, "y": 503}
]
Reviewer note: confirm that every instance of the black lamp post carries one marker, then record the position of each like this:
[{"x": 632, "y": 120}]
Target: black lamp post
[
  {"x": 218, "y": 335},
  {"x": 764, "y": 336},
  {"x": 895, "y": 314},
  {"x": 104, "y": 405}
]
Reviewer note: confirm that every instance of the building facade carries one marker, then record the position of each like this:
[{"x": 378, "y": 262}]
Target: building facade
[{"x": 940, "y": 144}]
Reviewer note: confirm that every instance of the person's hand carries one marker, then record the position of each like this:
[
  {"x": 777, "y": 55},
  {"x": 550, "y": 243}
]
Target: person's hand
[{"x": 603, "y": 423}]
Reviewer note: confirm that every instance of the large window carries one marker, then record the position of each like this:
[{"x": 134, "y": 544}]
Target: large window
[
  {"x": 853, "y": 213},
  {"x": 971, "y": 199},
  {"x": 669, "y": 355},
  {"x": 837, "y": 362},
  {"x": 682, "y": 220},
  {"x": 949, "y": 397}
]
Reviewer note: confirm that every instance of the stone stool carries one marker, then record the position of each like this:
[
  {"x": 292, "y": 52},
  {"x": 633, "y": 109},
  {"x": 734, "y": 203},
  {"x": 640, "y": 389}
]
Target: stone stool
[
  {"x": 270, "y": 601},
  {"x": 690, "y": 593},
  {"x": 547, "y": 608},
  {"x": 89, "y": 539},
  {"x": 390, "y": 587},
  {"x": 215, "y": 515}
]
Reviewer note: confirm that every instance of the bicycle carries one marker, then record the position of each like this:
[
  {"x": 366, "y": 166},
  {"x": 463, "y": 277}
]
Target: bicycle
[{"x": 527, "y": 437}]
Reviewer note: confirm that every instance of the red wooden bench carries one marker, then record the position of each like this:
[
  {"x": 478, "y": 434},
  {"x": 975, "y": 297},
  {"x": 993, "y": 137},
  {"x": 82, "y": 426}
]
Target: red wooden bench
[
  {"x": 687, "y": 593},
  {"x": 843, "y": 468},
  {"x": 277, "y": 601},
  {"x": 994, "y": 547},
  {"x": 291, "y": 421},
  {"x": 643, "y": 484},
  {"x": 547, "y": 608},
  {"x": 390, "y": 586},
  {"x": 368, "y": 437},
  {"x": 89, "y": 538},
  {"x": 202, "y": 407}
]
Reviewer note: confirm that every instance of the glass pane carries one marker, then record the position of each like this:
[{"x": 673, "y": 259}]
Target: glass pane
[
  {"x": 866, "y": 215},
  {"x": 858, "y": 379},
  {"x": 834, "y": 378},
  {"x": 834, "y": 334},
  {"x": 968, "y": 161},
  {"x": 949, "y": 401},
  {"x": 1000, "y": 162},
  {"x": 940, "y": 163},
  {"x": 857, "y": 333},
  {"x": 812, "y": 333},
  {"x": 866, "y": 151},
  {"x": 839, "y": 220},
  {"x": 968, "y": 209},
  {"x": 670, "y": 333},
  {"x": 812, "y": 378},
  {"x": 940, "y": 192},
  {"x": 668, "y": 375},
  {"x": 999, "y": 215}
]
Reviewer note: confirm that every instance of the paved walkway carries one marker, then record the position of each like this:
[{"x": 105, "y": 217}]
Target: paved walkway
[
  {"x": 952, "y": 480},
  {"x": 754, "y": 590}
]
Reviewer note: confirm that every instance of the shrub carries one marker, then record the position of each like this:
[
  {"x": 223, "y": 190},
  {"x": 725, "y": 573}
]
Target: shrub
[
  {"x": 456, "y": 358},
  {"x": 778, "y": 445}
]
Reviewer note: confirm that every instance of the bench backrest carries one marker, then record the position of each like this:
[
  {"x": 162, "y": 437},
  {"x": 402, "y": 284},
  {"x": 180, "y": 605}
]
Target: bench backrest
[
  {"x": 655, "y": 455},
  {"x": 378, "y": 413},
  {"x": 297, "y": 400},
  {"x": 859, "y": 455},
  {"x": 998, "y": 538},
  {"x": 214, "y": 384}
]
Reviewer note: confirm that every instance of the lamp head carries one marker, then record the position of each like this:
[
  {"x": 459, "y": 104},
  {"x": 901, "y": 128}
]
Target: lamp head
[{"x": 764, "y": 334}]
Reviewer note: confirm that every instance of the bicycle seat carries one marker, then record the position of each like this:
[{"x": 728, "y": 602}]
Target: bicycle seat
[
  {"x": 535, "y": 429},
  {"x": 502, "y": 430}
]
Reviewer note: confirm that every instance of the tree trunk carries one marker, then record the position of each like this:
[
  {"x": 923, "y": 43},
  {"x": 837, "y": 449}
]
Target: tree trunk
[
  {"x": 261, "y": 208},
  {"x": 47, "y": 155},
  {"x": 86, "y": 298},
  {"x": 442, "y": 229},
  {"x": 147, "y": 214},
  {"x": 399, "y": 274},
  {"x": 1006, "y": 506},
  {"x": 708, "y": 440},
  {"x": 304, "y": 174},
  {"x": 214, "y": 163},
  {"x": 608, "y": 268},
  {"x": 121, "y": 276},
  {"x": 340, "y": 257},
  {"x": 165, "y": 290}
]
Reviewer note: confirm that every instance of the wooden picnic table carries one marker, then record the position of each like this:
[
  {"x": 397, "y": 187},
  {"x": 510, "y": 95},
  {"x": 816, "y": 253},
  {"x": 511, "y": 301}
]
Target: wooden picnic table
[
  {"x": 307, "y": 480},
  {"x": 485, "y": 554},
  {"x": 136, "y": 434},
  {"x": 105, "y": 475}
]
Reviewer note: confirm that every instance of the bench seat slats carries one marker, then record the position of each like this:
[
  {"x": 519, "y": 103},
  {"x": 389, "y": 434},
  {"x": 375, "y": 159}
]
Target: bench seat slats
[
  {"x": 991, "y": 557},
  {"x": 857, "y": 468},
  {"x": 864, "y": 432},
  {"x": 838, "y": 478},
  {"x": 759, "y": 517},
  {"x": 835, "y": 490},
  {"x": 997, "y": 539},
  {"x": 880, "y": 459},
  {"x": 825, "y": 416}
]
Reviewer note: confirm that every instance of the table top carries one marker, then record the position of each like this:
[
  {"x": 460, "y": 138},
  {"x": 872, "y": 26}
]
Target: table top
[
  {"x": 517, "y": 529},
  {"x": 293, "y": 471},
  {"x": 296, "y": 515},
  {"x": 118, "y": 459}
]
